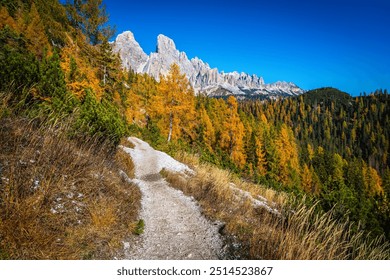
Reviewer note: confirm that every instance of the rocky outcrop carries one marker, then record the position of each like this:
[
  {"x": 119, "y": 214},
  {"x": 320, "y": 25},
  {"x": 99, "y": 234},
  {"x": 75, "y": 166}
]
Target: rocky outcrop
[
  {"x": 130, "y": 52},
  {"x": 201, "y": 76}
]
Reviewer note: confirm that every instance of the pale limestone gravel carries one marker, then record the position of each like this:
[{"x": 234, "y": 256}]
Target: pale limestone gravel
[{"x": 174, "y": 225}]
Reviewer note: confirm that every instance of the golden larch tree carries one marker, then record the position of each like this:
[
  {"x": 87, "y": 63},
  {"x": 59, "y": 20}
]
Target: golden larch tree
[
  {"x": 175, "y": 104},
  {"x": 309, "y": 180},
  {"x": 6, "y": 19},
  {"x": 232, "y": 134},
  {"x": 372, "y": 181},
  {"x": 80, "y": 73},
  {"x": 287, "y": 153},
  {"x": 35, "y": 33},
  {"x": 206, "y": 129}
]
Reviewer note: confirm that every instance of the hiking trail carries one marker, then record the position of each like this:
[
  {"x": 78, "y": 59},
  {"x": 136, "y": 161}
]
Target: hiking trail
[{"x": 174, "y": 225}]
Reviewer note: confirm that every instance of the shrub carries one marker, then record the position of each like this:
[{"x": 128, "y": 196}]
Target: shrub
[{"x": 100, "y": 119}]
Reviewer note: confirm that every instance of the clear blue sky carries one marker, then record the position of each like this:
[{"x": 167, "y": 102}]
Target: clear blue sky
[{"x": 339, "y": 43}]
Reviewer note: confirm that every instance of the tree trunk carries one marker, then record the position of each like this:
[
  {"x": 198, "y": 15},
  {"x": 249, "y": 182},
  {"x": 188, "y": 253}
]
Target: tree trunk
[
  {"x": 170, "y": 126},
  {"x": 104, "y": 74}
]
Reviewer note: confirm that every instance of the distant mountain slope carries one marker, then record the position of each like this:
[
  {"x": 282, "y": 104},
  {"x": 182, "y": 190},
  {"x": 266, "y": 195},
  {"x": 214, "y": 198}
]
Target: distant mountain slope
[
  {"x": 326, "y": 96},
  {"x": 201, "y": 76}
]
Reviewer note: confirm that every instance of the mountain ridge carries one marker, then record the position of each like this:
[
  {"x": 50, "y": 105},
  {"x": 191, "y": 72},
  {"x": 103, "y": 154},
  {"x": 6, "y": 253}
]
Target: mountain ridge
[{"x": 201, "y": 76}]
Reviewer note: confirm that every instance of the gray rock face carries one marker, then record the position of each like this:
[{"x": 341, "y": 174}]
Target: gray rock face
[
  {"x": 130, "y": 51},
  {"x": 201, "y": 76}
]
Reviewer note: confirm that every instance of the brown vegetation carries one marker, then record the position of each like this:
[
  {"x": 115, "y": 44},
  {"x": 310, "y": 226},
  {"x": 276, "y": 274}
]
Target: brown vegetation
[
  {"x": 123, "y": 160},
  {"x": 61, "y": 198},
  {"x": 297, "y": 232}
]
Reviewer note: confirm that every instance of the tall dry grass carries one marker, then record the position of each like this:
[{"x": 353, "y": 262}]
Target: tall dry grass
[
  {"x": 292, "y": 233},
  {"x": 61, "y": 198}
]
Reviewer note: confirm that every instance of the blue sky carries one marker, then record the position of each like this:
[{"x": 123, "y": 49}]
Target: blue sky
[{"x": 339, "y": 43}]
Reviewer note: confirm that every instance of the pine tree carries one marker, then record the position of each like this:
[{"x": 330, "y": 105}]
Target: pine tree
[
  {"x": 52, "y": 78},
  {"x": 91, "y": 18},
  {"x": 6, "y": 19},
  {"x": 108, "y": 67},
  {"x": 80, "y": 73},
  {"x": 256, "y": 154},
  {"x": 386, "y": 182}
]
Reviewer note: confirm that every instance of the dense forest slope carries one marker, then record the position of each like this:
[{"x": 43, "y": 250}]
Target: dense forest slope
[{"x": 343, "y": 145}]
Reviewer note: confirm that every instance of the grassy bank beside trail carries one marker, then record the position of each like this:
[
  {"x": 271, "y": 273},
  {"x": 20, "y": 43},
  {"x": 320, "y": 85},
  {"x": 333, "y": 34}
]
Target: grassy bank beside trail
[
  {"x": 287, "y": 231},
  {"x": 61, "y": 198}
]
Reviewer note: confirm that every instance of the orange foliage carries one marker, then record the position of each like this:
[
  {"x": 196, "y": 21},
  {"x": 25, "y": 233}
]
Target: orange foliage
[
  {"x": 174, "y": 104},
  {"x": 6, "y": 19},
  {"x": 85, "y": 75},
  {"x": 35, "y": 33},
  {"x": 208, "y": 131},
  {"x": 233, "y": 133},
  {"x": 133, "y": 112},
  {"x": 372, "y": 181},
  {"x": 287, "y": 153},
  {"x": 31, "y": 25}
]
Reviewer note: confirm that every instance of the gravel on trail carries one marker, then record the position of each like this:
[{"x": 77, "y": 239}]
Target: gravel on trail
[{"x": 174, "y": 229}]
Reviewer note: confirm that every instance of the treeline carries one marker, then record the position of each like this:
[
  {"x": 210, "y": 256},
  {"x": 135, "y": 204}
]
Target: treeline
[
  {"x": 56, "y": 62},
  {"x": 353, "y": 127},
  {"x": 343, "y": 147}
]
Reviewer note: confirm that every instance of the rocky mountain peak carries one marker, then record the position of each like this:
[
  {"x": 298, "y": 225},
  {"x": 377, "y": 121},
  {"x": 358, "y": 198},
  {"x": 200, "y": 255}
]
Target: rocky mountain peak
[
  {"x": 165, "y": 44},
  {"x": 128, "y": 35},
  {"x": 202, "y": 77},
  {"x": 126, "y": 44}
]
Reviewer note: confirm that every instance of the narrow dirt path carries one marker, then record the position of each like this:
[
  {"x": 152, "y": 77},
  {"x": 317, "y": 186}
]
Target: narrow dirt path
[{"x": 174, "y": 225}]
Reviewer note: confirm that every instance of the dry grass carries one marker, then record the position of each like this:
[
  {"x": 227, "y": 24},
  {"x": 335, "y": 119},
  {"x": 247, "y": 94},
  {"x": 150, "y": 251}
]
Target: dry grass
[
  {"x": 126, "y": 143},
  {"x": 299, "y": 234},
  {"x": 124, "y": 162},
  {"x": 61, "y": 199}
]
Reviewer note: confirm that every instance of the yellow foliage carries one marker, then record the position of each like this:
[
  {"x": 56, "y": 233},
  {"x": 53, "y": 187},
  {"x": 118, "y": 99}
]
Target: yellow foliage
[
  {"x": 138, "y": 99},
  {"x": 310, "y": 151},
  {"x": 30, "y": 24},
  {"x": 145, "y": 87},
  {"x": 233, "y": 133},
  {"x": 208, "y": 131},
  {"x": 117, "y": 98},
  {"x": 372, "y": 181},
  {"x": 85, "y": 75},
  {"x": 309, "y": 180},
  {"x": 35, "y": 33},
  {"x": 287, "y": 153},
  {"x": 6, "y": 19},
  {"x": 133, "y": 112},
  {"x": 174, "y": 104},
  {"x": 217, "y": 113}
]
